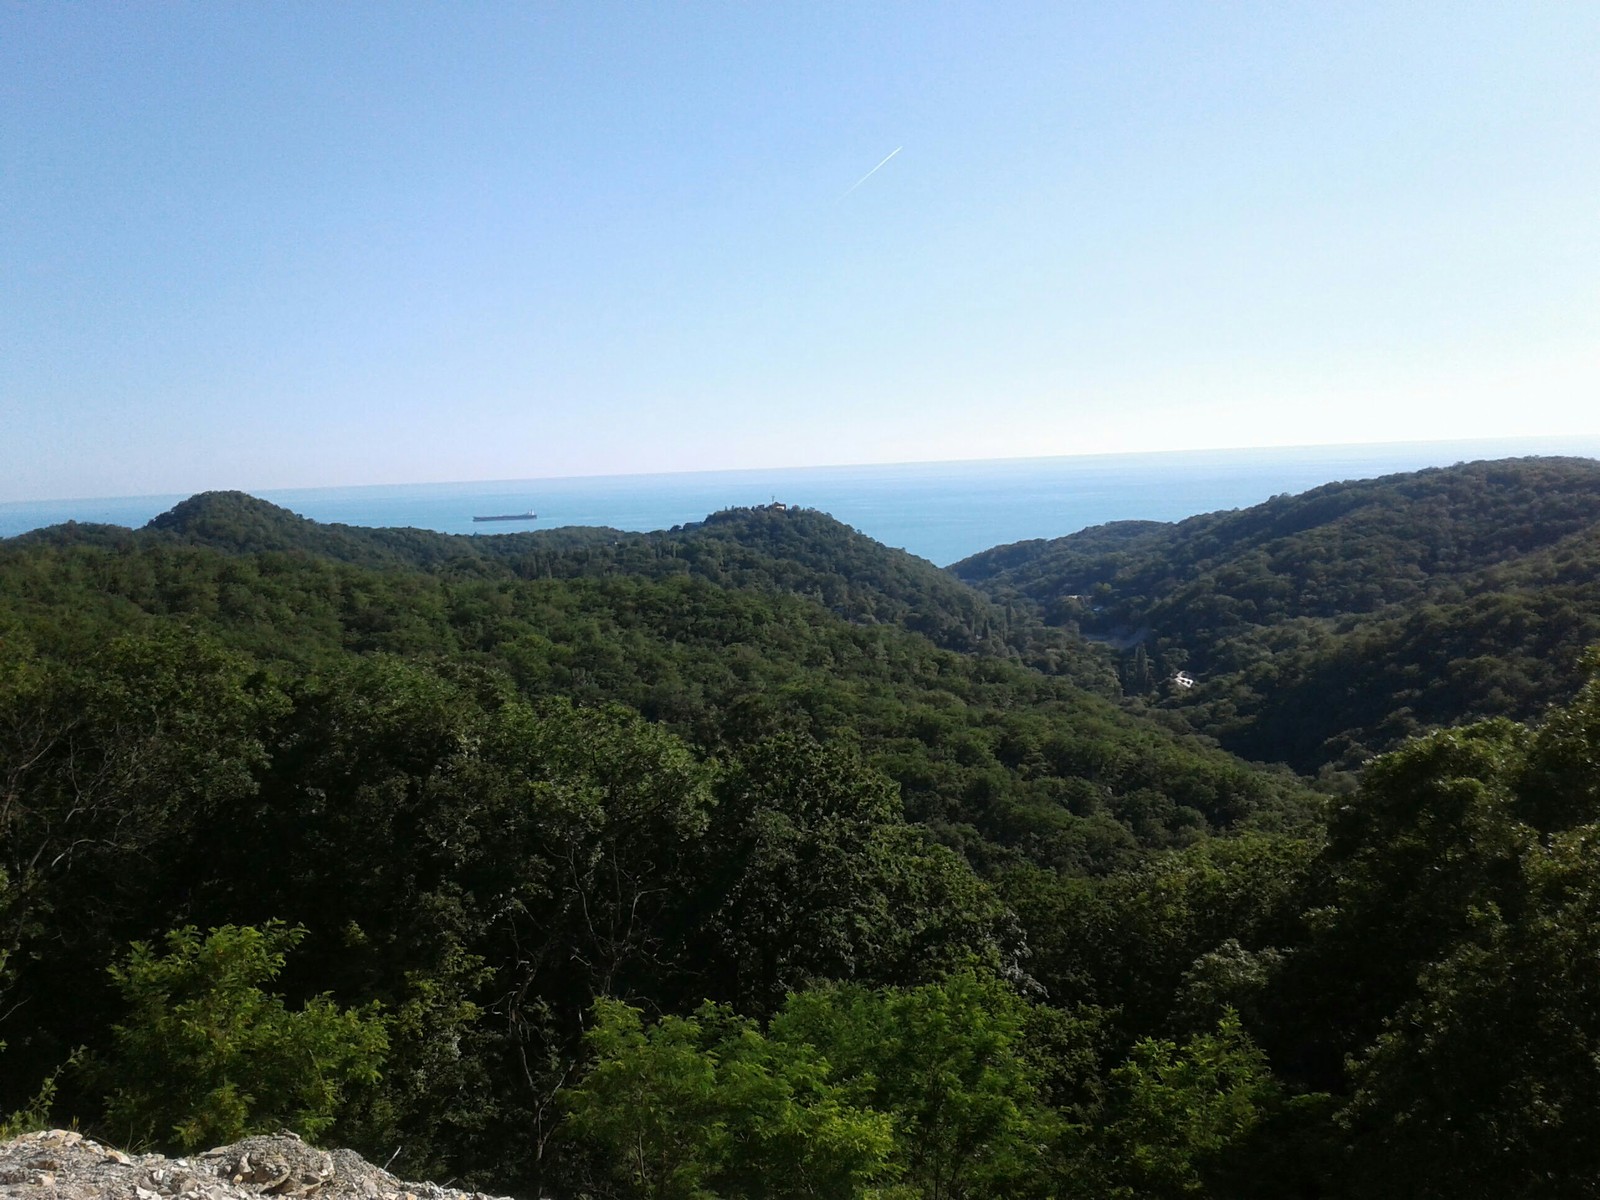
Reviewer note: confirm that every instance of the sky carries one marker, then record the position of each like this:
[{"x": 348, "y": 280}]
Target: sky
[{"x": 283, "y": 245}]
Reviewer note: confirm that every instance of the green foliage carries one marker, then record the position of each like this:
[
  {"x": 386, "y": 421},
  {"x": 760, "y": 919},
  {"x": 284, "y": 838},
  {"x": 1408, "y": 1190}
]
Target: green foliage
[
  {"x": 1332, "y": 625},
  {"x": 909, "y": 920},
  {"x": 1485, "y": 1079},
  {"x": 948, "y": 1062},
  {"x": 1175, "y": 1114},
  {"x": 1171, "y": 942},
  {"x": 986, "y": 752},
  {"x": 1559, "y": 787},
  {"x": 699, "y": 1106},
  {"x": 1480, "y": 1076},
  {"x": 790, "y": 552},
  {"x": 1428, "y": 842},
  {"x": 826, "y": 881},
  {"x": 206, "y": 1056},
  {"x": 849, "y": 1088},
  {"x": 942, "y": 1089},
  {"x": 436, "y": 1096},
  {"x": 102, "y": 759}
]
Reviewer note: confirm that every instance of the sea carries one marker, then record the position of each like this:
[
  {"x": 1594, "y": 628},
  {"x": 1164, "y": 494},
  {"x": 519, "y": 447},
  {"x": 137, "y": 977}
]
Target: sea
[{"x": 942, "y": 511}]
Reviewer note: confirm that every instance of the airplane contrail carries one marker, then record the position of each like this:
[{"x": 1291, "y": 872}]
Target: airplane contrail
[{"x": 874, "y": 170}]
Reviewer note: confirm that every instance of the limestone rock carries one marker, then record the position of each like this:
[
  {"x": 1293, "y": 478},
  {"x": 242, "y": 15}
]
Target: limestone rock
[{"x": 61, "y": 1164}]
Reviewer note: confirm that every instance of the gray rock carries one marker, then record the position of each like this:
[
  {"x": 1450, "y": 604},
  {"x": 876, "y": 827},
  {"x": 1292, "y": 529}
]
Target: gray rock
[{"x": 62, "y": 1164}]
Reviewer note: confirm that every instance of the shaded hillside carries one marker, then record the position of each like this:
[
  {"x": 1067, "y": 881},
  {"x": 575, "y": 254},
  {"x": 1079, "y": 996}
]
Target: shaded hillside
[
  {"x": 1325, "y": 626},
  {"x": 999, "y": 758},
  {"x": 801, "y": 552},
  {"x": 243, "y": 524},
  {"x": 792, "y": 552},
  {"x": 490, "y": 800}
]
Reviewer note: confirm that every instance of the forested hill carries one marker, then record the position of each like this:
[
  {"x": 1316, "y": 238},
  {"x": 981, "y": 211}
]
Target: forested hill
[
  {"x": 1327, "y": 625},
  {"x": 790, "y": 551},
  {"x": 487, "y": 796},
  {"x": 596, "y": 865},
  {"x": 725, "y": 632}
]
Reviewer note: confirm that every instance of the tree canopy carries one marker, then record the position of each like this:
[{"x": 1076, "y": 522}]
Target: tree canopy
[{"x": 570, "y": 871}]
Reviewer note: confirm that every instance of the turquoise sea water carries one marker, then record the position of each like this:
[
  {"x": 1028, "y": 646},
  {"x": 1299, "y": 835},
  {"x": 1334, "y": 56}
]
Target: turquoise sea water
[{"x": 941, "y": 511}]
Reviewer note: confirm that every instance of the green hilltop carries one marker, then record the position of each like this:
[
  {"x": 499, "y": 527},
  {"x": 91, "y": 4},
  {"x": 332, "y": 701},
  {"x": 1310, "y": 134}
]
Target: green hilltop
[{"x": 1324, "y": 627}]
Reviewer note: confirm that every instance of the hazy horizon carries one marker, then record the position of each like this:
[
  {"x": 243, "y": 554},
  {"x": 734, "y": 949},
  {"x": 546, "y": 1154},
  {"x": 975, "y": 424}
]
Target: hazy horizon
[
  {"x": 343, "y": 245},
  {"x": 1579, "y": 445}
]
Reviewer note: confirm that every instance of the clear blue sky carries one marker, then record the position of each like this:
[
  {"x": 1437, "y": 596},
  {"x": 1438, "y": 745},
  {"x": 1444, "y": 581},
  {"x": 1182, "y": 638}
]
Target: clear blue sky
[{"x": 295, "y": 244}]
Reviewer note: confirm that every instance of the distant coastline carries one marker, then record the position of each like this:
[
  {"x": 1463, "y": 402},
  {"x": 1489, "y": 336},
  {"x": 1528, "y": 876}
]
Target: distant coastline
[{"x": 941, "y": 511}]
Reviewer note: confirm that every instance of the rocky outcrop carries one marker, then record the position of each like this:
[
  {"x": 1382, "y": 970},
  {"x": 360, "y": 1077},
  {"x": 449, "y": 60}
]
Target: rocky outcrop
[{"x": 64, "y": 1165}]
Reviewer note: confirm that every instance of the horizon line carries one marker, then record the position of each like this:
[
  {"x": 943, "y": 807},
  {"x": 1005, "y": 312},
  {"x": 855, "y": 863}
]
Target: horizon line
[{"x": 1589, "y": 438}]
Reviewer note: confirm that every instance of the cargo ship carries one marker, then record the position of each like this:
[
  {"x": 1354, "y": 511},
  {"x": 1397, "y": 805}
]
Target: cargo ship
[{"x": 527, "y": 516}]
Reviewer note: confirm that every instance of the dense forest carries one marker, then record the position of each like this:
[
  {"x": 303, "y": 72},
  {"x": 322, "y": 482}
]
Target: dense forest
[
  {"x": 1326, "y": 627},
  {"x": 755, "y": 859}
]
